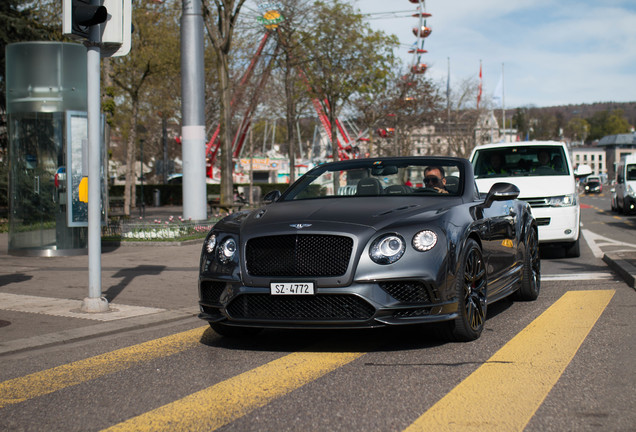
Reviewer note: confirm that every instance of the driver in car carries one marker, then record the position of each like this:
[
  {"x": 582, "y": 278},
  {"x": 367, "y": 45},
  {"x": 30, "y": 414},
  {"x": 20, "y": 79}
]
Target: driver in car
[{"x": 434, "y": 179}]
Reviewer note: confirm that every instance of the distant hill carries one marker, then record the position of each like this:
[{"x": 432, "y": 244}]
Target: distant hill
[{"x": 584, "y": 110}]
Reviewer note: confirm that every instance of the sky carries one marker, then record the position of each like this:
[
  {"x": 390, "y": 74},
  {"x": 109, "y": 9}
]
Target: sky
[{"x": 552, "y": 52}]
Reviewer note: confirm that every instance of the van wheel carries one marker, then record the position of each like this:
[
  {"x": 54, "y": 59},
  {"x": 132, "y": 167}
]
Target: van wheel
[{"x": 573, "y": 250}]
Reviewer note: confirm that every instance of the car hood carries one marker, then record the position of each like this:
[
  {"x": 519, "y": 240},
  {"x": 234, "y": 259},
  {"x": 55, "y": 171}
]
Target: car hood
[
  {"x": 329, "y": 214},
  {"x": 532, "y": 186}
]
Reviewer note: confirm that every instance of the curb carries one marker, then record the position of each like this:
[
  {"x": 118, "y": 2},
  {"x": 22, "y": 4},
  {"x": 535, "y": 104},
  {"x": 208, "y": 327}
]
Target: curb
[
  {"x": 88, "y": 332},
  {"x": 621, "y": 266}
]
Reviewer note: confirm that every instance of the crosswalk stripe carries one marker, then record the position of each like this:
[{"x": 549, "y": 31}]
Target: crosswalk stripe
[
  {"x": 40, "y": 383},
  {"x": 505, "y": 392},
  {"x": 578, "y": 276},
  {"x": 226, "y": 401}
]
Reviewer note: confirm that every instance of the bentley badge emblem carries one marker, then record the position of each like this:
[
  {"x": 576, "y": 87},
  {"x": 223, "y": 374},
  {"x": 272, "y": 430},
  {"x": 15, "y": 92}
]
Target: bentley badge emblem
[{"x": 299, "y": 226}]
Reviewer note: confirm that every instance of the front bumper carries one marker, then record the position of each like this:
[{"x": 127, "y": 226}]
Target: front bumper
[
  {"x": 361, "y": 305},
  {"x": 558, "y": 224}
]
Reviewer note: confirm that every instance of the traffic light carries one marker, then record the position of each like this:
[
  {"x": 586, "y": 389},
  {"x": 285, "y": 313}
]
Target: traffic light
[{"x": 79, "y": 15}]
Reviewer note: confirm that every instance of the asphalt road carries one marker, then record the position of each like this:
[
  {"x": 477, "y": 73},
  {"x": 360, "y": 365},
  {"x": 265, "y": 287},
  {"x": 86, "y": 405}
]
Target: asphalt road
[{"x": 564, "y": 362}]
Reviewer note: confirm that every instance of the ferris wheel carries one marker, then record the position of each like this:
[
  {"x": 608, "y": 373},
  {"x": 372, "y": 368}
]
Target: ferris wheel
[{"x": 421, "y": 32}]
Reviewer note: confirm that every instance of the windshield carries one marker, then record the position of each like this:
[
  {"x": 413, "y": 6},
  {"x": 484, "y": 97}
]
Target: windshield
[
  {"x": 520, "y": 161},
  {"x": 381, "y": 178}
]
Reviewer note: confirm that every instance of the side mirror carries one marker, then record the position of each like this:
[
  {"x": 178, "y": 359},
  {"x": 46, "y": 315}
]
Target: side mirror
[
  {"x": 271, "y": 196},
  {"x": 501, "y": 192}
]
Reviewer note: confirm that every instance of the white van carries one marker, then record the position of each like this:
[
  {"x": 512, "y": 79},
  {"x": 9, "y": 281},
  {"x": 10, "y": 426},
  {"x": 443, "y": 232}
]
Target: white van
[
  {"x": 543, "y": 172},
  {"x": 624, "y": 192}
]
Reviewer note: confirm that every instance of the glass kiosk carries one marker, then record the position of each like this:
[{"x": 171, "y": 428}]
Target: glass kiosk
[{"x": 46, "y": 107}]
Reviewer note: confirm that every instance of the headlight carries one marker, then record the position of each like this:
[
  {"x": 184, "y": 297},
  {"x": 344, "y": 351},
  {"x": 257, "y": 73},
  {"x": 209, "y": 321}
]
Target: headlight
[
  {"x": 210, "y": 244},
  {"x": 227, "y": 250},
  {"x": 562, "y": 201},
  {"x": 424, "y": 240},
  {"x": 630, "y": 190},
  {"x": 387, "y": 249}
]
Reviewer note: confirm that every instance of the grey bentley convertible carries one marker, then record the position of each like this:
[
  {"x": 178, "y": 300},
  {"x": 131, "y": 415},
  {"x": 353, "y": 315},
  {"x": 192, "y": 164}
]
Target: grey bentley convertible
[{"x": 369, "y": 243}]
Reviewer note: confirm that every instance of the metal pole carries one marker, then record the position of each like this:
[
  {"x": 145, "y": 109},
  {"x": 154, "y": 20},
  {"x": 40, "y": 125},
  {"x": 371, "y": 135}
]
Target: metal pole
[
  {"x": 141, "y": 162},
  {"x": 164, "y": 139},
  {"x": 300, "y": 143},
  {"x": 503, "y": 103},
  {"x": 193, "y": 112},
  {"x": 94, "y": 302}
]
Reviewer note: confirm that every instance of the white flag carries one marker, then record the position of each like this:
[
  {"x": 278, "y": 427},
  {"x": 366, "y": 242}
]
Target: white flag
[{"x": 497, "y": 97}]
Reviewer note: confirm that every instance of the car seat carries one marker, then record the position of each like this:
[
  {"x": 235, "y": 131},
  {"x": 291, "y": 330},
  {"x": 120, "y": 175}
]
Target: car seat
[
  {"x": 369, "y": 186},
  {"x": 397, "y": 190},
  {"x": 452, "y": 184}
]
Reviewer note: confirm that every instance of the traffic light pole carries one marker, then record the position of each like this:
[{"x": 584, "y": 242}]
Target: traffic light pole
[{"x": 94, "y": 302}]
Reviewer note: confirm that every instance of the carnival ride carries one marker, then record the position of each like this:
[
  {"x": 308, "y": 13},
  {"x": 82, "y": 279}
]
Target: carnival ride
[
  {"x": 259, "y": 70},
  {"x": 417, "y": 67}
]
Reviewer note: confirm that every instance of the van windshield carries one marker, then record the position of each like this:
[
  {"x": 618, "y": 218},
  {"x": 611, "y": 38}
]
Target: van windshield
[{"x": 520, "y": 161}]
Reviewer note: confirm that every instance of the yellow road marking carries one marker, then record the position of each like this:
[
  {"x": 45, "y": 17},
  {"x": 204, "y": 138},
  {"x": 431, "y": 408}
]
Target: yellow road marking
[
  {"x": 505, "y": 392},
  {"x": 226, "y": 401},
  {"x": 40, "y": 383}
]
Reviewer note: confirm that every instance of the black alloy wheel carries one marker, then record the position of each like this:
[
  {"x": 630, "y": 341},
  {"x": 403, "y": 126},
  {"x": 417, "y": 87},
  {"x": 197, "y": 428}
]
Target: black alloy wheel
[
  {"x": 531, "y": 277},
  {"x": 471, "y": 292}
]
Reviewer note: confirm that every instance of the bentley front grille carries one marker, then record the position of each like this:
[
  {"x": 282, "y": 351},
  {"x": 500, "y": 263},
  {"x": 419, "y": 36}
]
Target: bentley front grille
[
  {"x": 300, "y": 308},
  {"x": 298, "y": 255},
  {"x": 408, "y": 291}
]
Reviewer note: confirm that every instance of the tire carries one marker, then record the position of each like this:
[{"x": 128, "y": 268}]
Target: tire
[
  {"x": 531, "y": 276},
  {"x": 472, "y": 287},
  {"x": 573, "y": 250},
  {"x": 235, "y": 332}
]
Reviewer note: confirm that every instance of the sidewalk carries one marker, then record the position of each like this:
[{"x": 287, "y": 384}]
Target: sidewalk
[
  {"x": 624, "y": 264},
  {"x": 146, "y": 284}
]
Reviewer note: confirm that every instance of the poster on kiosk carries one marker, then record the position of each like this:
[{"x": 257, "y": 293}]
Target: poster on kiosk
[{"x": 77, "y": 171}]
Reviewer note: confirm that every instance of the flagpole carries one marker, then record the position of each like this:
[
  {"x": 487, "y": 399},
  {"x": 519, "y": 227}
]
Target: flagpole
[
  {"x": 503, "y": 103},
  {"x": 448, "y": 101}
]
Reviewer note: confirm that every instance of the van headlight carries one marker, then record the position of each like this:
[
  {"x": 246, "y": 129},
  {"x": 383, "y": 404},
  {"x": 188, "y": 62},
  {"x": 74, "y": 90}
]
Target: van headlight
[
  {"x": 630, "y": 191},
  {"x": 563, "y": 201}
]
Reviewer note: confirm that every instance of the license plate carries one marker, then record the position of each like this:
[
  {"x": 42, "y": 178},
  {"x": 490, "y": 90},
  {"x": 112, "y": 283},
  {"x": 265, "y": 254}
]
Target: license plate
[{"x": 291, "y": 288}]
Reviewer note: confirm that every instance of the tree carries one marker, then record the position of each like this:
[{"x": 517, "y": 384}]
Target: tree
[
  {"x": 21, "y": 21},
  {"x": 345, "y": 58},
  {"x": 577, "y": 129},
  {"x": 220, "y": 23},
  {"x": 465, "y": 120},
  {"x": 605, "y": 123},
  {"x": 140, "y": 80},
  {"x": 292, "y": 66},
  {"x": 398, "y": 112},
  {"x": 520, "y": 122}
]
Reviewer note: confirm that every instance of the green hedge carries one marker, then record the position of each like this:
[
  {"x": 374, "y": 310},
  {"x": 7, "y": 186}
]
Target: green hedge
[{"x": 172, "y": 194}]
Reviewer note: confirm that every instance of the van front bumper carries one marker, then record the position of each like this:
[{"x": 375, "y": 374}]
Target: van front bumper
[{"x": 558, "y": 224}]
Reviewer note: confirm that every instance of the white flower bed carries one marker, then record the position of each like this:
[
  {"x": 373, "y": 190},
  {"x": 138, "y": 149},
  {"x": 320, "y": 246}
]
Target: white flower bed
[{"x": 169, "y": 230}]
